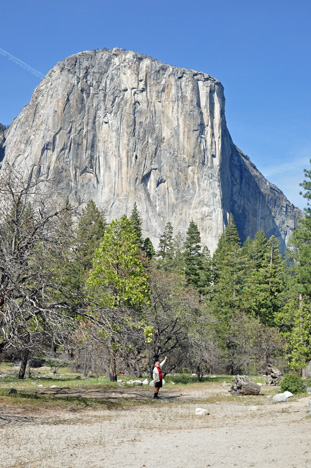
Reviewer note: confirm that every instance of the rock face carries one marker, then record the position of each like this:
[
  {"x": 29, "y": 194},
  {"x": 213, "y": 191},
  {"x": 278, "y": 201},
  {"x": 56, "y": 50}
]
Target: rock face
[{"x": 118, "y": 127}]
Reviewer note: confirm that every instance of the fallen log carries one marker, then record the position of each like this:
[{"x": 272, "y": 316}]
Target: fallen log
[{"x": 243, "y": 386}]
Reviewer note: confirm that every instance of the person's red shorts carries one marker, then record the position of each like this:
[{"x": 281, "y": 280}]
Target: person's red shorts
[{"x": 158, "y": 384}]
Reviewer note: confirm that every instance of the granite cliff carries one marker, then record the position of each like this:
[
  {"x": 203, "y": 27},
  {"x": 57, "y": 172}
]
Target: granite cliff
[{"x": 118, "y": 127}]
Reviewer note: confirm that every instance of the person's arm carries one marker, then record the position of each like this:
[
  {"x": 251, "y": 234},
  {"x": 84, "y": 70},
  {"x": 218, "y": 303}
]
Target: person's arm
[{"x": 163, "y": 362}]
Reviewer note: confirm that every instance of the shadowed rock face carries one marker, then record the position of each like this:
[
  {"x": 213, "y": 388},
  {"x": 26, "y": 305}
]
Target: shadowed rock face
[{"x": 120, "y": 128}]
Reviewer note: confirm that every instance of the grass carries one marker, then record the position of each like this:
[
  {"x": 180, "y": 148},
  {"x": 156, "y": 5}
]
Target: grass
[{"x": 77, "y": 391}]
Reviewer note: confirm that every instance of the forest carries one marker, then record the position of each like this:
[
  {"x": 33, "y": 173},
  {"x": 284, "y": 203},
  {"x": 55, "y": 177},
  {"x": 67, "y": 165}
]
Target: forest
[{"x": 74, "y": 285}]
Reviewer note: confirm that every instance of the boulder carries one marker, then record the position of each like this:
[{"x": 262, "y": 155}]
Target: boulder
[
  {"x": 137, "y": 383},
  {"x": 308, "y": 370},
  {"x": 280, "y": 397}
]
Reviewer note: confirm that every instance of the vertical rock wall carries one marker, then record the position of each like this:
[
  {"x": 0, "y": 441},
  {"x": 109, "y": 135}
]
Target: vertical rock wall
[{"x": 119, "y": 128}]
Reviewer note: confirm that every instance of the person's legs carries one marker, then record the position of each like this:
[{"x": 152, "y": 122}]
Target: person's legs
[{"x": 157, "y": 387}]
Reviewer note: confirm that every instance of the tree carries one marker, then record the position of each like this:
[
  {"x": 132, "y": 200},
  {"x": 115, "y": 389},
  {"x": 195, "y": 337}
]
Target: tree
[
  {"x": 166, "y": 243},
  {"x": 295, "y": 317},
  {"x": 225, "y": 297},
  {"x": 89, "y": 233},
  {"x": 118, "y": 288},
  {"x": 192, "y": 255},
  {"x": 264, "y": 281},
  {"x": 228, "y": 268},
  {"x": 148, "y": 248},
  {"x": 174, "y": 307},
  {"x": 136, "y": 224},
  {"x": 31, "y": 315},
  {"x": 170, "y": 254}
]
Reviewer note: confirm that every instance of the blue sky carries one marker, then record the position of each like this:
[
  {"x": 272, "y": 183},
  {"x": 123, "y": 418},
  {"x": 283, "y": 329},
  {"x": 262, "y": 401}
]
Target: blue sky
[{"x": 259, "y": 50}]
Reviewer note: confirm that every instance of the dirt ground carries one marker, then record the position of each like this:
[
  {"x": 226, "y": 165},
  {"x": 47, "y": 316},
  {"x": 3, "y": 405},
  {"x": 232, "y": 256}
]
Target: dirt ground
[{"x": 239, "y": 432}]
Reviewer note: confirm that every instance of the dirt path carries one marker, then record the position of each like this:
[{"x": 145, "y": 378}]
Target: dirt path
[{"x": 239, "y": 432}]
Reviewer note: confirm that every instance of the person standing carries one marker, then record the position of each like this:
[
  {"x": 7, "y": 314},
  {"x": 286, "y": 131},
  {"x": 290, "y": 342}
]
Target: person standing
[{"x": 158, "y": 377}]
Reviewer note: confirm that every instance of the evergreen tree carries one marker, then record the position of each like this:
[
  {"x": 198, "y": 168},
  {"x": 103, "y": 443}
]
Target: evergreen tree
[
  {"x": 148, "y": 248},
  {"x": 228, "y": 267},
  {"x": 193, "y": 256},
  {"x": 118, "y": 287},
  {"x": 166, "y": 243},
  {"x": 225, "y": 298},
  {"x": 206, "y": 278},
  {"x": 137, "y": 223},
  {"x": 295, "y": 318},
  {"x": 256, "y": 250},
  {"x": 264, "y": 282},
  {"x": 89, "y": 233}
]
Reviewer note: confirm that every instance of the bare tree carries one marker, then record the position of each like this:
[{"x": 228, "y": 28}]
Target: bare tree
[{"x": 36, "y": 307}]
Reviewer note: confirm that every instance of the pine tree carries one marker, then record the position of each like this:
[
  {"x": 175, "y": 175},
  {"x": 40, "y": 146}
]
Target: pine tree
[
  {"x": 148, "y": 248},
  {"x": 225, "y": 297},
  {"x": 193, "y": 256},
  {"x": 295, "y": 318},
  {"x": 228, "y": 267},
  {"x": 118, "y": 287},
  {"x": 137, "y": 223},
  {"x": 264, "y": 281},
  {"x": 89, "y": 233},
  {"x": 166, "y": 243}
]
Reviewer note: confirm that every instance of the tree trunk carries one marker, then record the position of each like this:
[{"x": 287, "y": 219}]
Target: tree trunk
[
  {"x": 199, "y": 373},
  {"x": 242, "y": 385},
  {"x": 24, "y": 358},
  {"x": 112, "y": 369}
]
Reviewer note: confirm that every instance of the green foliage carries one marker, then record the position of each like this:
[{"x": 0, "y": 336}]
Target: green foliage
[
  {"x": 136, "y": 225},
  {"x": 170, "y": 255},
  {"x": 89, "y": 234},
  {"x": 148, "y": 248},
  {"x": 294, "y": 318},
  {"x": 264, "y": 279},
  {"x": 166, "y": 243},
  {"x": 192, "y": 255},
  {"x": 292, "y": 383},
  {"x": 228, "y": 268},
  {"x": 118, "y": 278}
]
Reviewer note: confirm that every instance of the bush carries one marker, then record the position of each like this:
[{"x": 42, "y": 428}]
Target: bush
[{"x": 292, "y": 383}]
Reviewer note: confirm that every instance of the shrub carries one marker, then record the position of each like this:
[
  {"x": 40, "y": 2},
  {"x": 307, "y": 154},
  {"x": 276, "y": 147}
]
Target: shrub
[{"x": 292, "y": 383}]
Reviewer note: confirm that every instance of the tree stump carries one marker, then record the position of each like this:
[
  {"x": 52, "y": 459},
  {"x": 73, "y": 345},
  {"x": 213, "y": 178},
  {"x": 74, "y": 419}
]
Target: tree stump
[
  {"x": 243, "y": 386},
  {"x": 274, "y": 374}
]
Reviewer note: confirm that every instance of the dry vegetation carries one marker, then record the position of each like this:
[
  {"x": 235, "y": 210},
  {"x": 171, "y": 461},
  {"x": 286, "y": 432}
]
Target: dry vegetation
[{"x": 83, "y": 423}]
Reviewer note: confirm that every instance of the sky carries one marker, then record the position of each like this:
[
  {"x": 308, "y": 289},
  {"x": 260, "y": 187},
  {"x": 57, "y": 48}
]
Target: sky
[{"x": 259, "y": 50}]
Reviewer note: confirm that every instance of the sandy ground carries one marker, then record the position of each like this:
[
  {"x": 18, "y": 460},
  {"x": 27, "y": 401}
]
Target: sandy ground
[{"x": 239, "y": 431}]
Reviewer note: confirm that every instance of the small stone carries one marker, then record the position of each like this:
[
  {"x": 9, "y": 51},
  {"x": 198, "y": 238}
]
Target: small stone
[
  {"x": 146, "y": 382},
  {"x": 201, "y": 412}
]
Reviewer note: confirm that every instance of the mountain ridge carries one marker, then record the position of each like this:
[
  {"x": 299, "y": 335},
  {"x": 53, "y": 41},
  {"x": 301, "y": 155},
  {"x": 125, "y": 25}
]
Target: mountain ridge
[{"x": 119, "y": 127}]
